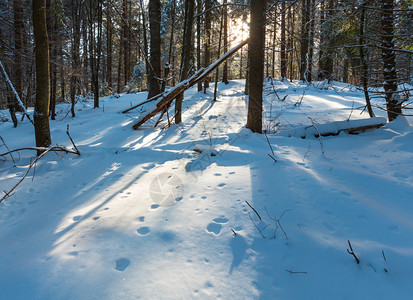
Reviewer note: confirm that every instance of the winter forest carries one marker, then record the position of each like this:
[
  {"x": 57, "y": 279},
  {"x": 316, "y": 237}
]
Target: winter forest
[{"x": 181, "y": 149}]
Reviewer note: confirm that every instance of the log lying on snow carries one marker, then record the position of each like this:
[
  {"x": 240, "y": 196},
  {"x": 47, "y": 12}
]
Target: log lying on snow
[
  {"x": 170, "y": 95},
  {"x": 334, "y": 128}
]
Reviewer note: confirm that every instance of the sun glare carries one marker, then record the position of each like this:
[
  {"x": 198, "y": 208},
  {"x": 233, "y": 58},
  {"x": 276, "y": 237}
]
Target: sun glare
[{"x": 238, "y": 30}]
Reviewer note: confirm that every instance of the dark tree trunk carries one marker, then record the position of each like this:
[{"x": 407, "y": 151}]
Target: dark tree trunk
[
  {"x": 171, "y": 41},
  {"x": 186, "y": 55},
  {"x": 207, "y": 40},
  {"x": 256, "y": 65},
  {"x": 225, "y": 69},
  {"x": 109, "y": 44},
  {"x": 18, "y": 49},
  {"x": 305, "y": 28},
  {"x": 389, "y": 60},
  {"x": 155, "y": 48},
  {"x": 74, "y": 82},
  {"x": 41, "y": 109},
  {"x": 198, "y": 40},
  {"x": 311, "y": 43},
  {"x": 283, "y": 54},
  {"x": 365, "y": 70}
]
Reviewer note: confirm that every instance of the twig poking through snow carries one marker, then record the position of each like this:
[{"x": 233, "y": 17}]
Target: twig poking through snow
[
  {"x": 319, "y": 135},
  {"x": 272, "y": 150},
  {"x": 254, "y": 210},
  {"x": 294, "y": 272},
  {"x": 352, "y": 252}
]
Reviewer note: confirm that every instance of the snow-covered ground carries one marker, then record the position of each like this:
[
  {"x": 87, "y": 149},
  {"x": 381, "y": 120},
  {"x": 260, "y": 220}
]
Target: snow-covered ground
[{"x": 140, "y": 214}]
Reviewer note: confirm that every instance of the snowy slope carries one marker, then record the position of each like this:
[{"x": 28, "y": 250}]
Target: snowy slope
[{"x": 141, "y": 215}]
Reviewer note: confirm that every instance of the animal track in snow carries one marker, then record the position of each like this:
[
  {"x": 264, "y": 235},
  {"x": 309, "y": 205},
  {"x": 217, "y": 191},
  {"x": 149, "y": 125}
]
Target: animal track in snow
[
  {"x": 215, "y": 227},
  {"x": 143, "y": 230},
  {"x": 121, "y": 264}
]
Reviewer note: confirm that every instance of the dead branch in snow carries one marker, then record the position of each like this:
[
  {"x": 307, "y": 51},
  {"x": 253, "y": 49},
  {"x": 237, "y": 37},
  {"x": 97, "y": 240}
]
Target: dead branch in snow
[
  {"x": 5, "y": 145},
  {"x": 43, "y": 151}
]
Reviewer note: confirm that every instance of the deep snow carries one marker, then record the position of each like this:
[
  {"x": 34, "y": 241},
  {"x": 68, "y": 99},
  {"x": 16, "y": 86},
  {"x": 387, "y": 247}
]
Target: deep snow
[{"x": 140, "y": 214}]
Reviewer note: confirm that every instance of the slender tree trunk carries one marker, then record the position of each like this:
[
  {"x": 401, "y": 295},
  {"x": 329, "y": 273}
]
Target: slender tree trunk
[
  {"x": 283, "y": 54},
  {"x": 87, "y": 48},
  {"x": 225, "y": 68},
  {"x": 171, "y": 41},
  {"x": 207, "y": 40},
  {"x": 41, "y": 109},
  {"x": 154, "y": 87},
  {"x": 365, "y": 72},
  {"x": 256, "y": 65},
  {"x": 218, "y": 55},
  {"x": 389, "y": 60},
  {"x": 305, "y": 28},
  {"x": 274, "y": 39},
  {"x": 311, "y": 44},
  {"x": 198, "y": 40},
  {"x": 76, "y": 15},
  {"x": 109, "y": 44},
  {"x": 186, "y": 55},
  {"x": 18, "y": 49}
]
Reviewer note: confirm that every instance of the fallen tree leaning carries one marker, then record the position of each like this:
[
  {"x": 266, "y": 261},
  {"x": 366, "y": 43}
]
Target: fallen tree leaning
[{"x": 170, "y": 95}]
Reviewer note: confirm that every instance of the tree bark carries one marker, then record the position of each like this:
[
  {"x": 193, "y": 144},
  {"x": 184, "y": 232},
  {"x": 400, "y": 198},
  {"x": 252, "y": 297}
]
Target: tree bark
[
  {"x": 186, "y": 55},
  {"x": 41, "y": 109},
  {"x": 207, "y": 40},
  {"x": 155, "y": 48},
  {"x": 256, "y": 65},
  {"x": 18, "y": 48},
  {"x": 225, "y": 68},
  {"x": 389, "y": 60}
]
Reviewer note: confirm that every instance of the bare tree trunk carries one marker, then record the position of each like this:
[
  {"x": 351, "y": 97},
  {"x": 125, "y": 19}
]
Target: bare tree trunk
[
  {"x": 365, "y": 72},
  {"x": 155, "y": 48},
  {"x": 41, "y": 109},
  {"x": 389, "y": 60},
  {"x": 305, "y": 28},
  {"x": 186, "y": 55},
  {"x": 198, "y": 40},
  {"x": 76, "y": 15},
  {"x": 311, "y": 44},
  {"x": 109, "y": 44},
  {"x": 256, "y": 65},
  {"x": 171, "y": 41},
  {"x": 283, "y": 54},
  {"x": 207, "y": 40},
  {"x": 18, "y": 49},
  {"x": 225, "y": 68}
]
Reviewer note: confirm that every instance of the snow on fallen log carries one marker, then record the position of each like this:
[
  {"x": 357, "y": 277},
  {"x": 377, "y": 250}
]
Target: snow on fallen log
[
  {"x": 169, "y": 96},
  {"x": 334, "y": 128}
]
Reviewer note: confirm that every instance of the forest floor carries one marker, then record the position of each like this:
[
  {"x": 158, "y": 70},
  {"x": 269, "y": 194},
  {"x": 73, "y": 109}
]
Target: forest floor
[{"x": 140, "y": 214}]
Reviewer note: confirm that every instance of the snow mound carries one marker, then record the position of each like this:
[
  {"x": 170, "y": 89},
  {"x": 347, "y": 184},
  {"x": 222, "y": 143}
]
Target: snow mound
[{"x": 205, "y": 149}]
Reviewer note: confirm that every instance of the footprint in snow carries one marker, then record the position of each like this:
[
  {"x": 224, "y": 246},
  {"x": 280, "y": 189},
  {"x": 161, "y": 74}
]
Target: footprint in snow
[
  {"x": 215, "y": 227},
  {"x": 76, "y": 218},
  {"x": 121, "y": 264},
  {"x": 143, "y": 230}
]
